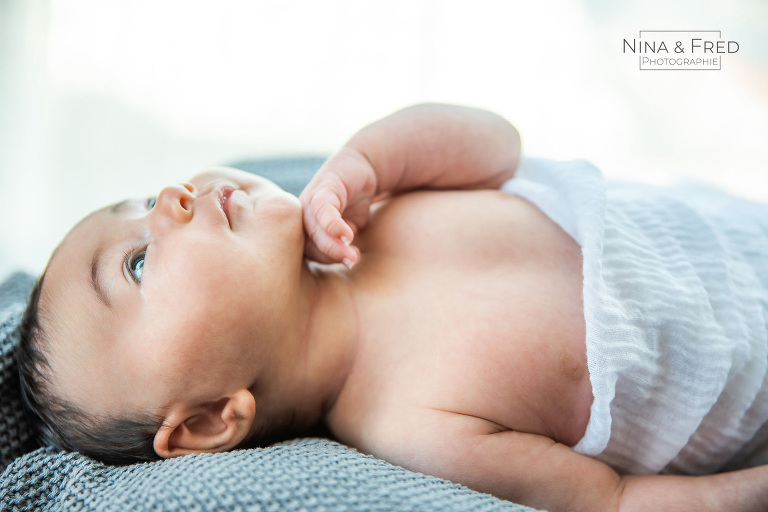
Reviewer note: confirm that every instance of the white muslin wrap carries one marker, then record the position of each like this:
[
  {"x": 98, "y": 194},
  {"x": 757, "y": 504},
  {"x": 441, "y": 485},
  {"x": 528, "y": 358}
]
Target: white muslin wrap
[{"x": 676, "y": 312}]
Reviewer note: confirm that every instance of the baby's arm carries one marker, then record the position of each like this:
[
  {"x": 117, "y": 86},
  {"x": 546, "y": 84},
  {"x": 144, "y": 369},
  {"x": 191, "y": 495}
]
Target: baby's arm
[
  {"x": 554, "y": 477},
  {"x": 424, "y": 146},
  {"x": 539, "y": 472}
]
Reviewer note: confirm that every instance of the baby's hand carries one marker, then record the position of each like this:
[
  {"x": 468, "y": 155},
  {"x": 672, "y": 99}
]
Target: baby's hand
[{"x": 336, "y": 204}]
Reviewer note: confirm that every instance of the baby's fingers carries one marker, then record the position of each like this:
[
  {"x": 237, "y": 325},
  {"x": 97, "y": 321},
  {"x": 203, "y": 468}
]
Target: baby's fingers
[
  {"x": 329, "y": 219},
  {"x": 349, "y": 256},
  {"x": 328, "y": 235},
  {"x": 323, "y": 209}
]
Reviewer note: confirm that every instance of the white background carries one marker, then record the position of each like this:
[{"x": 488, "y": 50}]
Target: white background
[{"x": 102, "y": 99}]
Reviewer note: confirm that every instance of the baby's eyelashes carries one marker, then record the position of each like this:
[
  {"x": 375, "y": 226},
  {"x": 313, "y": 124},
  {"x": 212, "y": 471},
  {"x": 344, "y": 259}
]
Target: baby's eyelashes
[{"x": 134, "y": 264}]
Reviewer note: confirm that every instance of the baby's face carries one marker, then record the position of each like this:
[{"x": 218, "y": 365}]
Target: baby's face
[{"x": 182, "y": 297}]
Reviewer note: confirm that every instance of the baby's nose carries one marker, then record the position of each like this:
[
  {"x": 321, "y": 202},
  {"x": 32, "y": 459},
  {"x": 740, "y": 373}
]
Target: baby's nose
[{"x": 176, "y": 202}]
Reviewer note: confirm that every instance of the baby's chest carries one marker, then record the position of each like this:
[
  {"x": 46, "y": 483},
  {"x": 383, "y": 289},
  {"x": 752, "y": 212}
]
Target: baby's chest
[
  {"x": 484, "y": 315},
  {"x": 466, "y": 230},
  {"x": 493, "y": 348}
]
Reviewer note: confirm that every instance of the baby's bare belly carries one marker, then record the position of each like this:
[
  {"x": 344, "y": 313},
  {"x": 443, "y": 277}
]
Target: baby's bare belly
[{"x": 479, "y": 312}]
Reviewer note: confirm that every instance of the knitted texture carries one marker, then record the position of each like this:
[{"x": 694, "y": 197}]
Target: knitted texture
[
  {"x": 15, "y": 427},
  {"x": 299, "y": 475}
]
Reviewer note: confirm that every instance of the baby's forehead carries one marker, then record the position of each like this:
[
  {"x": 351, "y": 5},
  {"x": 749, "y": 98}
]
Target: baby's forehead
[
  {"x": 68, "y": 309},
  {"x": 83, "y": 228},
  {"x": 70, "y": 262},
  {"x": 67, "y": 320}
]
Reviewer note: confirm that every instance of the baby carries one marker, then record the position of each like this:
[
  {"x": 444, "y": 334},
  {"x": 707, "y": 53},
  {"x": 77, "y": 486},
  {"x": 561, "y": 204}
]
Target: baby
[{"x": 543, "y": 338}]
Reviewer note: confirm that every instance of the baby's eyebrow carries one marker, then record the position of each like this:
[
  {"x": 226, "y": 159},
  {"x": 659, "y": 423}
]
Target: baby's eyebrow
[
  {"x": 96, "y": 277},
  {"x": 96, "y": 261}
]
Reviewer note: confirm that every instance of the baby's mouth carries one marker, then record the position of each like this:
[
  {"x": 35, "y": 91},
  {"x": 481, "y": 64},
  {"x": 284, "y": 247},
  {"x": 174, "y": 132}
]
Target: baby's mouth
[{"x": 224, "y": 203}]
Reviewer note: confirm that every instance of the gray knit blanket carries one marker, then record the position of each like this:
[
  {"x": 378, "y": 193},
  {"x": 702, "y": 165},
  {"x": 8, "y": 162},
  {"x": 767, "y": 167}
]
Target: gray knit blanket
[{"x": 300, "y": 475}]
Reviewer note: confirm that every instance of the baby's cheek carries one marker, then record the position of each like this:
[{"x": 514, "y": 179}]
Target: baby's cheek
[
  {"x": 126, "y": 380},
  {"x": 195, "y": 355}
]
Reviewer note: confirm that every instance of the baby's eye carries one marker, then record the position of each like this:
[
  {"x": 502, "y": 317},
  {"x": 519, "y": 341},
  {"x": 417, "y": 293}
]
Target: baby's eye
[
  {"x": 135, "y": 265},
  {"x": 151, "y": 202}
]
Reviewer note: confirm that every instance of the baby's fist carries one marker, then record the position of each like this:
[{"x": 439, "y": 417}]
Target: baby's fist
[{"x": 335, "y": 205}]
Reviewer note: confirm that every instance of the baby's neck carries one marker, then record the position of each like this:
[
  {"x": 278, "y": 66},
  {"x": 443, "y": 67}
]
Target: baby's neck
[{"x": 329, "y": 344}]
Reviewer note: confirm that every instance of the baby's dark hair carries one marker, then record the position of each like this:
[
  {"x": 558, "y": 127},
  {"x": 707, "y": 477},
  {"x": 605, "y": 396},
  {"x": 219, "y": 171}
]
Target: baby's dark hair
[{"x": 60, "y": 423}]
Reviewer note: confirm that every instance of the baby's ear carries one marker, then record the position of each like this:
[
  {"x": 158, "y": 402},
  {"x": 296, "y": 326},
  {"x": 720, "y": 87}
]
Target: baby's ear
[{"x": 212, "y": 427}]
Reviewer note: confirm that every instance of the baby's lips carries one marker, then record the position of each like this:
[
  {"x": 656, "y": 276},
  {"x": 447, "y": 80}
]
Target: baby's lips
[{"x": 224, "y": 202}]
